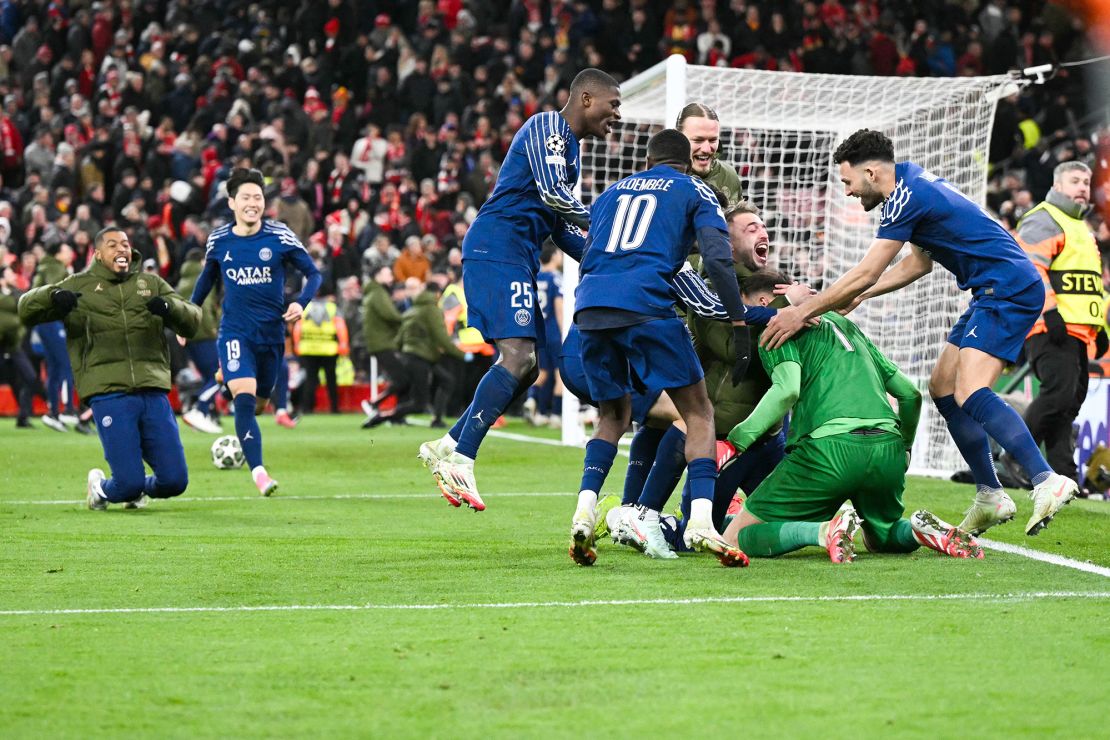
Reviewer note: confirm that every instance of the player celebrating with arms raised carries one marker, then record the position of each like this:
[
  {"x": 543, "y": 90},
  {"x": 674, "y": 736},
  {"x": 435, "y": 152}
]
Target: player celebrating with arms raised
[
  {"x": 1007, "y": 299},
  {"x": 251, "y": 256},
  {"x": 643, "y": 228},
  {"x": 531, "y": 201}
]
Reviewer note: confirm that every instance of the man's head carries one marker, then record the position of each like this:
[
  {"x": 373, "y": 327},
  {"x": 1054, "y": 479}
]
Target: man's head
[
  {"x": 669, "y": 147},
  {"x": 595, "y": 99},
  {"x": 113, "y": 249},
  {"x": 61, "y": 252},
  {"x": 1073, "y": 181},
  {"x": 866, "y": 160},
  {"x": 702, "y": 127},
  {"x": 759, "y": 287},
  {"x": 748, "y": 235},
  {"x": 550, "y": 257},
  {"x": 384, "y": 275},
  {"x": 245, "y": 196}
]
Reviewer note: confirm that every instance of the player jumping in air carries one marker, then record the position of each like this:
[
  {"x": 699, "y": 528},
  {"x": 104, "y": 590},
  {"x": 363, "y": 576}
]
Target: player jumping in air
[
  {"x": 643, "y": 228},
  {"x": 845, "y": 443},
  {"x": 251, "y": 256},
  {"x": 531, "y": 201},
  {"x": 1007, "y": 299}
]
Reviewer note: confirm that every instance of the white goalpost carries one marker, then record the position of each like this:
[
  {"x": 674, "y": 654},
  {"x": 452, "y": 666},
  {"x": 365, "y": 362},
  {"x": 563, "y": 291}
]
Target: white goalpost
[{"x": 779, "y": 130}]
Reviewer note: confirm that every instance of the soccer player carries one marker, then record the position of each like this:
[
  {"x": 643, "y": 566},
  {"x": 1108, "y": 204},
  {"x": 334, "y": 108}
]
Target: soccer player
[
  {"x": 115, "y": 321},
  {"x": 202, "y": 348},
  {"x": 1007, "y": 299},
  {"x": 845, "y": 443},
  {"x": 251, "y": 256},
  {"x": 642, "y": 230},
  {"x": 544, "y": 400},
  {"x": 531, "y": 201},
  {"x": 52, "y": 269}
]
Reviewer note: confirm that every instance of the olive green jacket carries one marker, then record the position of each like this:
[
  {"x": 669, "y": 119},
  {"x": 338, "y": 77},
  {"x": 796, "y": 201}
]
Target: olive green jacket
[
  {"x": 210, "y": 311},
  {"x": 115, "y": 344},
  {"x": 380, "y": 318},
  {"x": 11, "y": 328},
  {"x": 49, "y": 272},
  {"x": 424, "y": 332},
  {"x": 723, "y": 177}
]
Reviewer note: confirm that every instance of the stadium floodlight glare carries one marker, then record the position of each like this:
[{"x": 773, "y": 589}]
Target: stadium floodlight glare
[{"x": 779, "y": 130}]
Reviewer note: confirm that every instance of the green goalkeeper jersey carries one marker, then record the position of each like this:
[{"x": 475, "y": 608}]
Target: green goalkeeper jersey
[{"x": 843, "y": 378}]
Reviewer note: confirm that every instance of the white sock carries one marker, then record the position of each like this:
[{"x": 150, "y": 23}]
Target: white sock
[
  {"x": 260, "y": 470},
  {"x": 448, "y": 442},
  {"x": 587, "y": 500},
  {"x": 701, "y": 511}
]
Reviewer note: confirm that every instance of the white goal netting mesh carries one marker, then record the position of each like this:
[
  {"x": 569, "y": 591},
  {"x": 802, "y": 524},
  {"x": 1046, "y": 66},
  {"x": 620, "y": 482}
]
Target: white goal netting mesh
[{"x": 779, "y": 131}]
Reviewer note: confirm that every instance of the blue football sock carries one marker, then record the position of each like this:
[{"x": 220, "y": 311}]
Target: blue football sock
[
  {"x": 640, "y": 457},
  {"x": 545, "y": 394},
  {"x": 456, "y": 430},
  {"x": 1008, "y": 429},
  {"x": 204, "y": 400},
  {"x": 971, "y": 440},
  {"x": 670, "y": 461},
  {"x": 246, "y": 428},
  {"x": 492, "y": 397},
  {"x": 557, "y": 406},
  {"x": 702, "y": 475},
  {"x": 599, "y": 458}
]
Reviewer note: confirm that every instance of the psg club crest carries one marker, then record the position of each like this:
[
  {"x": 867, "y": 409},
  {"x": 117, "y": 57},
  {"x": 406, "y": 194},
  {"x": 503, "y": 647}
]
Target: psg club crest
[
  {"x": 232, "y": 365},
  {"x": 523, "y": 318},
  {"x": 265, "y": 254},
  {"x": 106, "y": 422}
]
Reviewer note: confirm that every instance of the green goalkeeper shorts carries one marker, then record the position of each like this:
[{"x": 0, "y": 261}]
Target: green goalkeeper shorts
[{"x": 818, "y": 475}]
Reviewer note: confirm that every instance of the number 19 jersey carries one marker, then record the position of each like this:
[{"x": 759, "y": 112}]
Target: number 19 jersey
[{"x": 641, "y": 231}]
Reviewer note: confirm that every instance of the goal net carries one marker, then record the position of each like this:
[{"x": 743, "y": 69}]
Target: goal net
[{"x": 779, "y": 130}]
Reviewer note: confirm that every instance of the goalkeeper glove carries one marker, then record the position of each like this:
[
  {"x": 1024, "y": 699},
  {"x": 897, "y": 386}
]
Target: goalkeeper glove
[
  {"x": 742, "y": 346},
  {"x": 1057, "y": 329},
  {"x": 158, "y": 306},
  {"x": 66, "y": 300}
]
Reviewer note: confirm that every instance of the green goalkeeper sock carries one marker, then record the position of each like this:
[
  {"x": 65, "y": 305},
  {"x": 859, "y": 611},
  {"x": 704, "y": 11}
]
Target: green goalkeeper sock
[
  {"x": 901, "y": 537},
  {"x": 778, "y": 538}
]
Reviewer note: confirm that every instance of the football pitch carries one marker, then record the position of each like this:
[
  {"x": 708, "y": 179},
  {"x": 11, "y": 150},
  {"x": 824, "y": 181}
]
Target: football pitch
[{"x": 356, "y": 602}]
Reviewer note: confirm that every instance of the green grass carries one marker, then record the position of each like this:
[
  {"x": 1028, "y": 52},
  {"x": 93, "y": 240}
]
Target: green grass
[{"x": 991, "y": 660}]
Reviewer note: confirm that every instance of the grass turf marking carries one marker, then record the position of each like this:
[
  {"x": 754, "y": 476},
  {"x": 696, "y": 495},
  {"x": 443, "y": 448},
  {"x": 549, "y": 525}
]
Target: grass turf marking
[{"x": 1017, "y": 596}]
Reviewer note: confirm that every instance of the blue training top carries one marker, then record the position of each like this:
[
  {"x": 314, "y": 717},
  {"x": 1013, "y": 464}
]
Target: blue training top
[
  {"x": 253, "y": 271},
  {"x": 956, "y": 232},
  {"x": 532, "y": 198}
]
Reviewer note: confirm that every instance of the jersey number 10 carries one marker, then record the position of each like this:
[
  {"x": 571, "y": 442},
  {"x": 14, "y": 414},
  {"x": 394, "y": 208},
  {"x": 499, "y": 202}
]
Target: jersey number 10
[{"x": 631, "y": 222}]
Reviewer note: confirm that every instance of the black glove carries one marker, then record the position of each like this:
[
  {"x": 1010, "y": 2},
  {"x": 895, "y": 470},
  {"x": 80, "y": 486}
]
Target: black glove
[
  {"x": 742, "y": 347},
  {"x": 158, "y": 306},
  {"x": 66, "y": 300},
  {"x": 1102, "y": 343},
  {"x": 1057, "y": 329}
]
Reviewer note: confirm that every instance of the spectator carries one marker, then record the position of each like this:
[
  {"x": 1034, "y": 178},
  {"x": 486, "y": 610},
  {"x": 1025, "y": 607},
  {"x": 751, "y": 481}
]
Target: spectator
[
  {"x": 319, "y": 339},
  {"x": 412, "y": 263}
]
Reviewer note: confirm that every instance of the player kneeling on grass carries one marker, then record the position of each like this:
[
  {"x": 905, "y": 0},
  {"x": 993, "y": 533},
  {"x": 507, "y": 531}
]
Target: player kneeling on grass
[
  {"x": 115, "y": 322},
  {"x": 845, "y": 443},
  {"x": 640, "y": 236}
]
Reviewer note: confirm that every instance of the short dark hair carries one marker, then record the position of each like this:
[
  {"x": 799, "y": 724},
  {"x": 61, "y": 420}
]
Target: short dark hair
[
  {"x": 763, "y": 281},
  {"x": 864, "y": 145},
  {"x": 547, "y": 251},
  {"x": 669, "y": 145},
  {"x": 242, "y": 176},
  {"x": 106, "y": 230},
  {"x": 591, "y": 79},
  {"x": 695, "y": 110}
]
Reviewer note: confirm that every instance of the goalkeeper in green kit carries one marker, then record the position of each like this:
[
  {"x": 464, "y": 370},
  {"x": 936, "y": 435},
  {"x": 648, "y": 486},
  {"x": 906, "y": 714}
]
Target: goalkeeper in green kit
[{"x": 845, "y": 443}]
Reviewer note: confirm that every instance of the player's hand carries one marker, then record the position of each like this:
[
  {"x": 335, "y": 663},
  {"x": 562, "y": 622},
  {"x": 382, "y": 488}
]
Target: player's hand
[
  {"x": 158, "y": 306},
  {"x": 851, "y": 306},
  {"x": 797, "y": 293},
  {"x": 181, "y": 341},
  {"x": 294, "y": 312},
  {"x": 742, "y": 349},
  {"x": 66, "y": 300},
  {"x": 783, "y": 325},
  {"x": 1057, "y": 329}
]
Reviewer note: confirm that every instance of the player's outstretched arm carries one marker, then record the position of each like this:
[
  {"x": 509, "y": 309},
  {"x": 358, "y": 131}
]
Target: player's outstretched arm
[
  {"x": 786, "y": 383},
  {"x": 841, "y": 293},
  {"x": 182, "y": 317},
  {"x": 913, "y": 266}
]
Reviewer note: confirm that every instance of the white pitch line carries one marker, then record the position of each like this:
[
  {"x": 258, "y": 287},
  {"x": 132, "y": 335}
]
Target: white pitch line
[
  {"x": 692, "y": 601},
  {"x": 279, "y": 497},
  {"x": 1046, "y": 557}
]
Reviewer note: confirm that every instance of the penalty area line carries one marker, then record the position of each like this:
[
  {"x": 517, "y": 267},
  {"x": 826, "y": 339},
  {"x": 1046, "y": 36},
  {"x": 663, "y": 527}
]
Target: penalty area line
[{"x": 692, "y": 601}]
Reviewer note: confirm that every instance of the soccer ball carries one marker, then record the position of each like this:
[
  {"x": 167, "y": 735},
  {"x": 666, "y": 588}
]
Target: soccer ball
[{"x": 227, "y": 453}]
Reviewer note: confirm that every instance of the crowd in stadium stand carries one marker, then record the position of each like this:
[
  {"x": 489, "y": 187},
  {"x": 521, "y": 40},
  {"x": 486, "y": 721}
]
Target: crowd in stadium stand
[{"x": 380, "y": 125}]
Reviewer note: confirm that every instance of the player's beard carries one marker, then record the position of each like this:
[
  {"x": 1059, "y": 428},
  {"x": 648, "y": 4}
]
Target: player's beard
[{"x": 870, "y": 198}]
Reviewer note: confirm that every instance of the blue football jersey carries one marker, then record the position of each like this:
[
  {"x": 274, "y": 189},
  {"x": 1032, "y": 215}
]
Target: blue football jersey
[
  {"x": 956, "y": 232},
  {"x": 253, "y": 272},
  {"x": 533, "y": 191},
  {"x": 643, "y": 228},
  {"x": 549, "y": 286}
]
